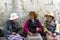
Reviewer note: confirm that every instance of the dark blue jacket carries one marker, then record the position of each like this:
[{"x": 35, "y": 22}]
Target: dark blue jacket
[
  {"x": 8, "y": 26},
  {"x": 33, "y": 25}
]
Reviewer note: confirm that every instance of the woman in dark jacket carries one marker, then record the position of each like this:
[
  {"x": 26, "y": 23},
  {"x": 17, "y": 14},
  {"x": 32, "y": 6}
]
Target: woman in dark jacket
[
  {"x": 33, "y": 25},
  {"x": 11, "y": 24}
]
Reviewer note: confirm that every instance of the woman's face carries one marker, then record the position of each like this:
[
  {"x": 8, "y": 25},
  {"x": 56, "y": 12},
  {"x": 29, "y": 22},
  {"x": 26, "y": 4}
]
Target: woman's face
[
  {"x": 31, "y": 16},
  {"x": 49, "y": 18},
  {"x": 14, "y": 20}
]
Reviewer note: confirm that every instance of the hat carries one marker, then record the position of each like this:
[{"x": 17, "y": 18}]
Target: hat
[
  {"x": 49, "y": 14},
  {"x": 13, "y": 16}
]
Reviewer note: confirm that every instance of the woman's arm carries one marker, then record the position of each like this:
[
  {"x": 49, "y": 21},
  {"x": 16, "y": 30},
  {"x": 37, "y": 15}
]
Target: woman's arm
[
  {"x": 57, "y": 27},
  {"x": 5, "y": 29},
  {"x": 45, "y": 29},
  {"x": 40, "y": 26},
  {"x": 26, "y": 27}
]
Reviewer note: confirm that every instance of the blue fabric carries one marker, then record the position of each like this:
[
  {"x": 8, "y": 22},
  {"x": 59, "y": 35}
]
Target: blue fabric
[
  {"x": 15, "y": 37},
  {"x": 8, "y": 27},
  {"x": 52, "y": 29}
]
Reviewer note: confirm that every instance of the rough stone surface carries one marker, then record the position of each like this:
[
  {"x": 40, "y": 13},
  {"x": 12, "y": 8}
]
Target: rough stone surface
[{"x": 23, "y": 7}]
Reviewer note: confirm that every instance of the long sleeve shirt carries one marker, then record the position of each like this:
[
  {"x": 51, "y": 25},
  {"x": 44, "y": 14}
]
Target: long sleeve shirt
[{"x": 27, "y": 23}]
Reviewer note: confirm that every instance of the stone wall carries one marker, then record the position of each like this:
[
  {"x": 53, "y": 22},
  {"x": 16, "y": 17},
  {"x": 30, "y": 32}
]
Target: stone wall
[{"x": 23, "y": 7}]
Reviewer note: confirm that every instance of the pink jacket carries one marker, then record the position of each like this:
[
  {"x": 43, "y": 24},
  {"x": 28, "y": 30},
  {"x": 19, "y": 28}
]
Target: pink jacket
[{"x": 26, "y": 26}]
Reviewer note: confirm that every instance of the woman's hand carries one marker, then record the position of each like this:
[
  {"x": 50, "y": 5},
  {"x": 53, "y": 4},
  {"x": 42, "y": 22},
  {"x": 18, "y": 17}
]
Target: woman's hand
[
  {"x": 13, "y": 33},
  {"x": 30, "y": 33},
  {"x": 49, "y": 32},
  {"x": 54, "y": 34},
  {"x": 37, "y": 29}
]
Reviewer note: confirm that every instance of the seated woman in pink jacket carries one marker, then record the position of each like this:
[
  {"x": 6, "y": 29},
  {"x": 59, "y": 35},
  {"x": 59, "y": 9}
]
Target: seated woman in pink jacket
[{"x": 33, "y": 25}]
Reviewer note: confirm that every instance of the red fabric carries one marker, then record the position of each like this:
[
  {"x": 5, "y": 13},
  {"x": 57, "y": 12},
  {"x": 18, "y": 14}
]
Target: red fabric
[{"x": 40, "y": 26}]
